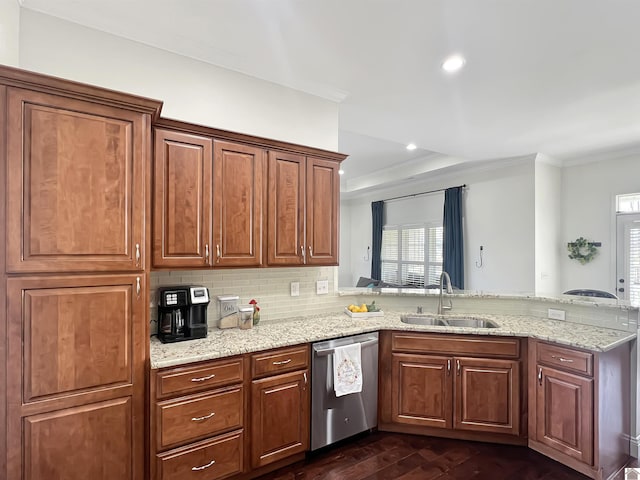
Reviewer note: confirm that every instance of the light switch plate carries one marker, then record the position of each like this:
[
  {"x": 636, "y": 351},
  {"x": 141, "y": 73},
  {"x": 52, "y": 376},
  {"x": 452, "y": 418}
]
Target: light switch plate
[
  {"x": 295, "y": 289},
  {"x": 322, "y": 287},
  {"x": 556, "y": 314}
]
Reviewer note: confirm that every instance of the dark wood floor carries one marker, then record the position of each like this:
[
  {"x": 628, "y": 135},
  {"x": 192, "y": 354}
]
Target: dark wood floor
[{"x": 389, "y": 456}]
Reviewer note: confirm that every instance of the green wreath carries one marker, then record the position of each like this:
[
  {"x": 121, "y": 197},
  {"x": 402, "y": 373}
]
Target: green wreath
[{"x": 582, "y": 250}]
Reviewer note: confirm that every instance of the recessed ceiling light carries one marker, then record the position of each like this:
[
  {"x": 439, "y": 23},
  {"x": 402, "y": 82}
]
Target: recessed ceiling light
[
  {"x": 453, "y": 63},
  {"x": 340, "y": 172},
  {"x": 411, "y": 146}
]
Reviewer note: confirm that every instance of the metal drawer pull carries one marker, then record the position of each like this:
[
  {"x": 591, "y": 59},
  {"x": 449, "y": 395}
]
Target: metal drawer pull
[
  {"x": 458, "y": 366},
  {"x": 283, "y": 362},
  {"x": 562, "y": 359},
  {"x": 202, "y": 379},
  {"x": 137, "y": 254},
  {"x": 217, "y": 253},
  {"x": 448, "y": 367},
  {"x": 310, "y": 251},
  {"x": 138, "y": 287},
  {"x": 302, "y": 251},
  {"x": 195, "y": 469},
  {"x": 199, "y": 419},
  {"x": 540, "y": 376},
  {"x": 206, "y": 251}
]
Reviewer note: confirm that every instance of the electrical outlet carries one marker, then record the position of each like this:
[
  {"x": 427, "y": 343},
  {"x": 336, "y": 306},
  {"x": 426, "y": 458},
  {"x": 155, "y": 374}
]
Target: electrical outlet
[
  {"x": 295, "y": 289},
  {"x": 322, "y": 287},
  {"x": 556, "y": 314}
]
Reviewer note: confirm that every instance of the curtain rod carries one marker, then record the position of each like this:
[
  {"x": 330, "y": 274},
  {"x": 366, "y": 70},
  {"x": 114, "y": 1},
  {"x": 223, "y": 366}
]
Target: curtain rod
[{"x": 423, "y": 193}]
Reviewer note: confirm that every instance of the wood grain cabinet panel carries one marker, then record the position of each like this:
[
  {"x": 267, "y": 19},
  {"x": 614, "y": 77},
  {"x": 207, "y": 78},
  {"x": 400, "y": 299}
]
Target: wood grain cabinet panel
[
  {"x": 239, "y": 173},
  {"x": 422, "y": 393},
  {"x": 191, "y": 418},
  {"x": 279, "y": 417},
  {"x": 564, "y": 413},
  {"x": 209, "y": 460},
  {"x": 286, "y": 209},
  {"x": 182, "y": 200},
  {"x": 72, "y": 335},
  {"x": 322, "y": 211},
  {"x": 93, "y": 441},
  {"x": 76, "y": 193},
  {"x": 487, "y": 395}
]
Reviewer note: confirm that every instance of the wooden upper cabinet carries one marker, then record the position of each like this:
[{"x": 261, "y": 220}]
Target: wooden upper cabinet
[
  {"x": 238, "y": 201},
  {"x": 182, "y": 200},
  {"x": 322, "y": 209},
  {"x": 76, "y": 184},
  {"x": 286, "y": 209}
]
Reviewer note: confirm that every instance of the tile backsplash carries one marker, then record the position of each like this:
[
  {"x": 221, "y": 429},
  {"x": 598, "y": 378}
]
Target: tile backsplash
[{"x": 271, "y": 287}]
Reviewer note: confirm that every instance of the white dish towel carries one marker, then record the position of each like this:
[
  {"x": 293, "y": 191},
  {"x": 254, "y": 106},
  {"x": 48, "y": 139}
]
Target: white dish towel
[{"x": 347, "y": 370}]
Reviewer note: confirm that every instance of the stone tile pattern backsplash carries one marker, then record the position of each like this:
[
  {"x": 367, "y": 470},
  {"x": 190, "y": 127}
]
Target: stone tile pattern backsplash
[{"x": 271, "y": 287}]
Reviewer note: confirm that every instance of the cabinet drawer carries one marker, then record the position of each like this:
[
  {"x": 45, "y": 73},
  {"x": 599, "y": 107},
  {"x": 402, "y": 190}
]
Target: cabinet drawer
[
  {"x": 191, "y": 418},
  {"x": 200, "y": 377},
  {"x": 565, "y": 358},
  {"x": 209, "y": 460},
  {"x": 279, "y": 361},
  {"x": 456, "y": 345}
]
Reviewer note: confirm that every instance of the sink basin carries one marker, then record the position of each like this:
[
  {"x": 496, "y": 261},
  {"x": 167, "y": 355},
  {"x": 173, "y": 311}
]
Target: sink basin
[
  {"x": 430, "y": 320},
  {"x": 417, "y": 319},
  {"x": 471, "y": 323}
]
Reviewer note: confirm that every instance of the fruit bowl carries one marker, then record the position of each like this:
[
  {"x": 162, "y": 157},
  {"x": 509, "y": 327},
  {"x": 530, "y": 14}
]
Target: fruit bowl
[{"x": 379, "y": 313}]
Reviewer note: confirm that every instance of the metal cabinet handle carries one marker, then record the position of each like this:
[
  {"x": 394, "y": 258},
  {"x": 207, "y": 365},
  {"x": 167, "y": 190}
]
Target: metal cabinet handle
[
  {"x": 305, "y": 377},
  {"x": 283, "y": 362},
  {"x": 217, "y": 253},
  {"x": 138, "y": 287},
  {"x": 202, "y": 379},
  {"x": 137, "y": 254},
  {"x": 449, "y": 367},
  {"x": 562, "y": 359},
  {"x": 206, "y": 251},
  {"x": 302, "y": 251},
  {"x": 540, "y": 375},
  {"x": 458, "y": 367},
  {"x": 206, "y": 417},
  {"x": 202, "y": 467},
  {"x": 310, "y": 251}
]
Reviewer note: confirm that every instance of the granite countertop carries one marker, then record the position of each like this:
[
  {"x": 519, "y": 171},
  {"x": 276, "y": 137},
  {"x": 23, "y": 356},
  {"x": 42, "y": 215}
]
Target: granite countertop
[{"x": 224, "y": 343}]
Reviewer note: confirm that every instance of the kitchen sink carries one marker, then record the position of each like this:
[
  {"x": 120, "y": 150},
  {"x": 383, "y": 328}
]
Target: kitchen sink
[
  {"x": 430, "y": 320},
  {"x": 471, "y": 323},
  {"x": 417, "y": 319}
]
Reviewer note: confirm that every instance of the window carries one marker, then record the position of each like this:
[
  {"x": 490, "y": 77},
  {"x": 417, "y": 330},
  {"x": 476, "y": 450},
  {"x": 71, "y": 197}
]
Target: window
[
  {"x": 412, "y": 255},
  {"x": 628, "y": 203}
]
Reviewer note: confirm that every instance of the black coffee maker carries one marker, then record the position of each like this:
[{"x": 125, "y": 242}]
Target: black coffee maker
[{"x": 182, "y": 313}]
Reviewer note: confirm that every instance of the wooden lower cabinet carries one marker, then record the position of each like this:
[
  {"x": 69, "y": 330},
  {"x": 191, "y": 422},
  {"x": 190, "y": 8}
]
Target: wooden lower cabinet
[
  {"x": 448, "y": 385},
  {"x": 456, "y": 392},
  {"x": 279, "y": 417},
  {"x": 580, "y": 406}
]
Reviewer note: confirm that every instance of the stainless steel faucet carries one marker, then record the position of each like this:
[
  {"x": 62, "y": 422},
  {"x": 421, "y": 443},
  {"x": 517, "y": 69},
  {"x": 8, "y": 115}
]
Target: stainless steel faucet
[{"x": 441, "y": 308}]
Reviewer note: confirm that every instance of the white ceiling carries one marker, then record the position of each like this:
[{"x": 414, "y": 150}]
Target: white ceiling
[{"x": 561, "y": 77}]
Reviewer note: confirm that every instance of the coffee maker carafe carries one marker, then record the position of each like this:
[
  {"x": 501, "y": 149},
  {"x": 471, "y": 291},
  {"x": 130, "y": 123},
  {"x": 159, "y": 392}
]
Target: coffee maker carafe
[{"x": 182, "y": 313}]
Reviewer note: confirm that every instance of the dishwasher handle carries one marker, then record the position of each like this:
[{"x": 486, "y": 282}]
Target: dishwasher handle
[{"x": 330, "y": 351}]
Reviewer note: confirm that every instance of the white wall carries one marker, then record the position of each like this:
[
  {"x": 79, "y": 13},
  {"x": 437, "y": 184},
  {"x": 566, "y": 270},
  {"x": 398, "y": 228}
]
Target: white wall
[
  {"x": 9, "y": 32},
  {"x": 498, "y": 214},
  {"x": 548, "y": 216},
  {"x": 588, "y": 197},
  {"x": 192, "y": 91}
]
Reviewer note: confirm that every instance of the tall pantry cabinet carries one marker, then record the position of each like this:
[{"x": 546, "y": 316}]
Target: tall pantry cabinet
[{"x": 75, "y": 164}]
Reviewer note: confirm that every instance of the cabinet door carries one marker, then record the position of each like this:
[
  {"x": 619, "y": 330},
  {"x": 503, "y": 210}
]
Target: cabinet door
[
  {"x": 285, "y": 229},
  {"x": 564, "y": 413},
  {"x": 74, "y": 342},
  {"x": 77, "y": 183},
  {"x": 88, "y": 442},
  {"x": 182, "y": 200},
  {"x": 238, "y": 200},
  {"x": 279, "y": 417},
  {"x": 487, "y": 393},
  {"x": 421, "y": 388},
  {"x": 322, "y": 209}
]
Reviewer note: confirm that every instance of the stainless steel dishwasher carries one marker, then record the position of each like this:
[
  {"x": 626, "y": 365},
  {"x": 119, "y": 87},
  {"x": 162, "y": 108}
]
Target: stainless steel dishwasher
[{"x": 334, "y": 418}]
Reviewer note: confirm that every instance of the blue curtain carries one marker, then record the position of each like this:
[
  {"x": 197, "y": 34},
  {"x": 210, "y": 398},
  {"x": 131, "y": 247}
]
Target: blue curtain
[
  {"x": 376, "y": 240},
  {"x": 453, "y": 261}
]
